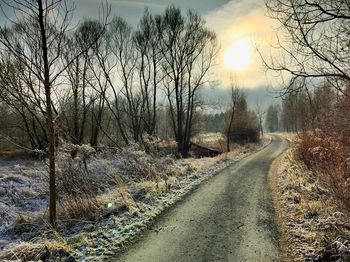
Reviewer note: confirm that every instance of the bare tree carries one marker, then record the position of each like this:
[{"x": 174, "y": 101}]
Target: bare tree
[
  {"x": 147, "y": 45},
  {"x": 260, "y": 112},
  {"x": 272, "y": 119},
  {"x": 81, "y": 95},
  {"x": 96, "y": 59},
  {"x": 315, "y": 43},
  {"x": 235, "y": 97},
  {"x": 188, "y": 49},
  {"x": 115, "y": 56},
  {"x": 36, "y": 40},
  {"x": 18, "y": 92},
  {"x": 123, "y": 51}
]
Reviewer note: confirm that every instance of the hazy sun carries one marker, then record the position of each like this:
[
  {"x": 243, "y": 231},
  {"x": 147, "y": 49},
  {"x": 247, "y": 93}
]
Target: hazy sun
[{"x": 239, "y": 55}]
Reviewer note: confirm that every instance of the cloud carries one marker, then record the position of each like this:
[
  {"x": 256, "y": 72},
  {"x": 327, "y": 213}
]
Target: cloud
[
  {"x": 237, "y": 20},
  {"x": 132, "y": 10},
  {"x": 231, "y": 20}
]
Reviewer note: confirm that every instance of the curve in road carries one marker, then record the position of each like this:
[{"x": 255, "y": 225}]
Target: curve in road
[{"x": 229, "y": 218}]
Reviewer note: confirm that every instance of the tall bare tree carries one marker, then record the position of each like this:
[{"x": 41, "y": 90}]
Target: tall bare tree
[
  {"x": 147, "y": 45},
  {"x": 235, "y": 97},
  {"x": 123, "y": 51},
  {"x": 188, "y": 49},
  {"x": 116, "y": 60},
  {"x": 36, "y": 39},
  {"x": 81, "y": 95}
]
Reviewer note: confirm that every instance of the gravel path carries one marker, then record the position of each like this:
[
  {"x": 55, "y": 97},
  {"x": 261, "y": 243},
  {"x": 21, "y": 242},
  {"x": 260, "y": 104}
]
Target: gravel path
[{"x": 229, "y": 218}]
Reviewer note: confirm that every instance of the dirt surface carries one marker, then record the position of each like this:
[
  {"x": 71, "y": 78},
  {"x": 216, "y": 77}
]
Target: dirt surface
[{"x": 229, "y": 218}]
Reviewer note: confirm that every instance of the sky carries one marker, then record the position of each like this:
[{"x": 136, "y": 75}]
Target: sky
[
  {"x": 241, "y": 26},
  {"x": 238, "y": 24}
]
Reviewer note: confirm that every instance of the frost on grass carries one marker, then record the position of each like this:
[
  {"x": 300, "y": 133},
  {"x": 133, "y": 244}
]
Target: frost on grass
[
  {"x": 21, "y": 196},
  {"x": 315, "y": 224},
  {"x": 105, "y": 196}
]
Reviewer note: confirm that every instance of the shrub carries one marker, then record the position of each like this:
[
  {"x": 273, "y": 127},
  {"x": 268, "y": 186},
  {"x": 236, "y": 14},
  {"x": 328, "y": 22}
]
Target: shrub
[
  {"x": 327, "y": 149},
  {"x": 326, "y": 153},
  {"x": 245, "y": 135}
]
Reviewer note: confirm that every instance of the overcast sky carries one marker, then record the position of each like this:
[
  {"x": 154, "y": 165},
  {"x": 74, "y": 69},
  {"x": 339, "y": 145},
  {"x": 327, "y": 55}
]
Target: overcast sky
[
  {"x": 232, "y": 20},
  {"x": 132, "y": 10}
]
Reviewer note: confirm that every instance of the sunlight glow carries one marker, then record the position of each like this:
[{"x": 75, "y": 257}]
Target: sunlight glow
[{"x": 239, "y": 55}]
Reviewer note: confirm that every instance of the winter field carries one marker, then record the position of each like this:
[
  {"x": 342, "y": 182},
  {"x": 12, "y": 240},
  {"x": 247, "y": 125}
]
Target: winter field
[{"x": 104, "y": 197}]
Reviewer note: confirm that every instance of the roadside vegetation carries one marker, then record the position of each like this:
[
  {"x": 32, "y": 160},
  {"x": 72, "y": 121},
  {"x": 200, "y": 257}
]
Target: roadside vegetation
[
  {"x": 313, "y": 221},
  {"x": 101, "y": 128},
  {"x": 105, "y": 197},
  {"x": 313, "y": 181}
]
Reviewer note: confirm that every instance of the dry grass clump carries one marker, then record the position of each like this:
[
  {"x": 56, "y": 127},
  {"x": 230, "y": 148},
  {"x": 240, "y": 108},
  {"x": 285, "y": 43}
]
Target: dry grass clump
[
  {"x": 55, "y": 250},
  {"x": 150, "y": 189},
  {"x": 325, "y": 154},
  {"x": 211, "y": 140},
  {"x": 139, "y": 165},
  {"x": 151, "y": 144},
  {"x": 309, "y": 214},
  {"x": 134, "y": 177},
  {"x": 118, "y": 201}
]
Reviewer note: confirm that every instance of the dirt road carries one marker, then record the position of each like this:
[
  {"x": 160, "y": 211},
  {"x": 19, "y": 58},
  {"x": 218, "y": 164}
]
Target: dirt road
[{"x": 229, "y": 218}]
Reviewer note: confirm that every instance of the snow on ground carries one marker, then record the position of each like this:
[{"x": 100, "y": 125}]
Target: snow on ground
[
  {"x": 21, "y": 193},
  {"x": 315, "y": 225},
  {"x": 117, "y": 231},
  {"x": 132, "y": 189}
]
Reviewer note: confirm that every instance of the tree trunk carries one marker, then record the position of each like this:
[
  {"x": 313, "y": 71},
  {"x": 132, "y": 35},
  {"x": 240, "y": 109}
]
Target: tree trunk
[
  {"x": 49, "y": 118},
  {"x": 228, "y": 142}
]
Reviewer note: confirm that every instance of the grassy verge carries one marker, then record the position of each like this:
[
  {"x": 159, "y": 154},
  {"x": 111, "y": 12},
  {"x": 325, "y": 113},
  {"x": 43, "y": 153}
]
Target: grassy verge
[
  {"x": 313, "y": 221},
  {"x": 119, "y": 196}
]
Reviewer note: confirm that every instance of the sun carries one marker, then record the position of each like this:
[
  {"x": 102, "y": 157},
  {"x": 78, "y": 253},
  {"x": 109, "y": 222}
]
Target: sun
[{"x": 239, "y": 55}]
